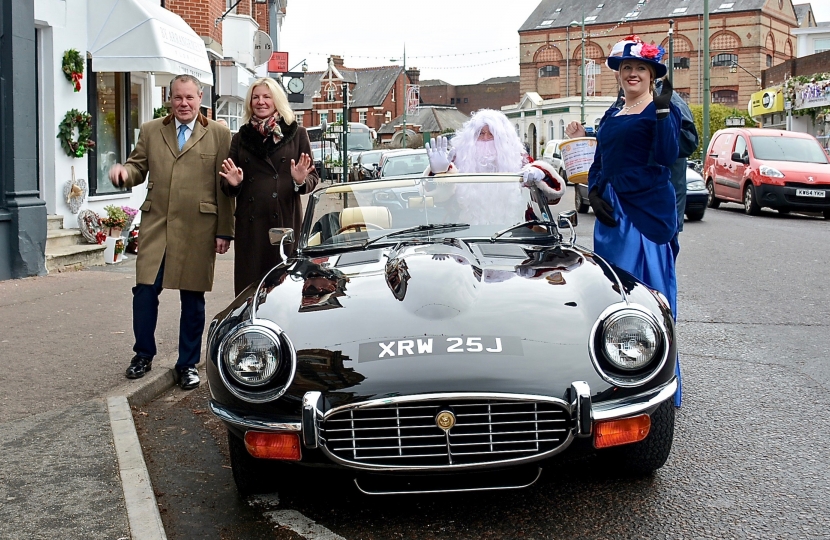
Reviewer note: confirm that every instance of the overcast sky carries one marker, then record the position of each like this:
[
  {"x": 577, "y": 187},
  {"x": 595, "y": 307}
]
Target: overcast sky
[{"x": 476, "y": 39}]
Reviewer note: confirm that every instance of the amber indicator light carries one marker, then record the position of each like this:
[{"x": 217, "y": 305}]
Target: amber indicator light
[
  {"x": 625, "y": 431},
  {"x": 284, "y": 446}
]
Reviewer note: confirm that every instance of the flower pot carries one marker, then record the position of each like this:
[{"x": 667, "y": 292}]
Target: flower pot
[
  {"x": 115, "y": 231},
  {"x": 110, "y": 250}
]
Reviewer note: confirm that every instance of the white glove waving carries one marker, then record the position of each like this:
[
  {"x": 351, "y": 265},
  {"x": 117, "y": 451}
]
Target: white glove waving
[
  {"x": 439, "y": 157},
  {"x": 531, "y": 175}
]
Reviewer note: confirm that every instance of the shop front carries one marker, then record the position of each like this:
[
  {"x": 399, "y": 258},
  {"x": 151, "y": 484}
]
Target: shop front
[
  {"x": 766, "y": 107},
  {"x": 812, "y": 106}
]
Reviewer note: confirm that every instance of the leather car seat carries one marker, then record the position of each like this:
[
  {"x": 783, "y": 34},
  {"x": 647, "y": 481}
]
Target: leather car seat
[{"x": 376, "y": 215}]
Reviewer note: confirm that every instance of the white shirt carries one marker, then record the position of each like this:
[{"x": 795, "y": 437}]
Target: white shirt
[{"x": 188, "y": 132}]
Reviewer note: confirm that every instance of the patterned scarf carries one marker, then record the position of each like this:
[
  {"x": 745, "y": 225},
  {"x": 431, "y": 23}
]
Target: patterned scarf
[{"x": 268, "y": 126}]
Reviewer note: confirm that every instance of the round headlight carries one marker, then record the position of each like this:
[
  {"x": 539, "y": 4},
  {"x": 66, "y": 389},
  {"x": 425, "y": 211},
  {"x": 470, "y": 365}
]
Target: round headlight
[
  {"x": 630, "y": 342},
  {"x": 252, "y": 357}
]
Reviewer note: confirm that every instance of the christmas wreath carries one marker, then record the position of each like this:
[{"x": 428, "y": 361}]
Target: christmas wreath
[
  {"x": 73, "y": 68},
  {"x": 66, "y": 133}
]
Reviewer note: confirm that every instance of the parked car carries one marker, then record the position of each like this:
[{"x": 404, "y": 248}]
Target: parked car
[
  {"x": 367, "y": 165},
  {"x": 696, "y": 195},
  {"x": 784, "y": 170},
  {"x": 404, "y": 162},
  {"x": 553, "y": 155},
  {"x": 418, "y": 352}
]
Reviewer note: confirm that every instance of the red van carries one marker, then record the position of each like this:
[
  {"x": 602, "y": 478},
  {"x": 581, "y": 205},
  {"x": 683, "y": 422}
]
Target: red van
[{"x": 769, "y": 168}]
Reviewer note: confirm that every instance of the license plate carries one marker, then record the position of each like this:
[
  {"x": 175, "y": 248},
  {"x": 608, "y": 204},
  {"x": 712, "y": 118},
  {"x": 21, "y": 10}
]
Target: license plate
[{"x": 820, "y": 193}]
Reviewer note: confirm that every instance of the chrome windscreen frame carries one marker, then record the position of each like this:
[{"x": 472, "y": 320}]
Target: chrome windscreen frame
[
  {"x": 274, "y": 332},
  {"x": 320, "y": 416},
  {"x": 622, "y": 309}
]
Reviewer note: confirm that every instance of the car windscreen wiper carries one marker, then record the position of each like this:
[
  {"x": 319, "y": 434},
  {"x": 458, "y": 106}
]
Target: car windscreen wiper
[
  {"x": 419, "y": 228},
  {"x": 501, "y": 233}
]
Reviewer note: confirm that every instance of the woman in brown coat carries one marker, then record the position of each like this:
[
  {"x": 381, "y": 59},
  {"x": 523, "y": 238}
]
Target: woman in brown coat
[{"x": 268, "y": 168}]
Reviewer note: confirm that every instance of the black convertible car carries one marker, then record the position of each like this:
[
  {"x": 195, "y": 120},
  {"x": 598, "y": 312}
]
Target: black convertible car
[{"x": 441, "y": 334}]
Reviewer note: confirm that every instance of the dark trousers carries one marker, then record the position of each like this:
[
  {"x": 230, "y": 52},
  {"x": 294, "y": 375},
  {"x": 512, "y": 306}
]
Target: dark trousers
[{"x": 191, "y": 322}]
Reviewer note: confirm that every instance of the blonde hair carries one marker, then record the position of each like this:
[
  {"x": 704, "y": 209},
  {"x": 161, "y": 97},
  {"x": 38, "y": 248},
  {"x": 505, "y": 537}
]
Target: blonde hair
[{"x": 277, "y": 94}]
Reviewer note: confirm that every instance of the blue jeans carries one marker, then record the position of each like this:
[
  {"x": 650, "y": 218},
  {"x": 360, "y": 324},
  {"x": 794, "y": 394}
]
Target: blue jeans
[{"x": 191, "y": 322}]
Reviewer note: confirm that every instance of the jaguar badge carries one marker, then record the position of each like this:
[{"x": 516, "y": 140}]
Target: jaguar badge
[{"x": 445, "y": 420}]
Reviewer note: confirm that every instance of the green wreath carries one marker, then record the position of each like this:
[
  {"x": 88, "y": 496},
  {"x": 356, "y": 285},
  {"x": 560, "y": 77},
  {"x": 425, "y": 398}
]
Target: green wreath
[
  {"x": 66, "y": 133},
  {"x": 73, "y": 68}
]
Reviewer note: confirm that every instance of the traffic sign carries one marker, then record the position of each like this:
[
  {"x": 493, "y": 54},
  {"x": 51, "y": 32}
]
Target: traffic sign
[{"x": 278, "y": 63}]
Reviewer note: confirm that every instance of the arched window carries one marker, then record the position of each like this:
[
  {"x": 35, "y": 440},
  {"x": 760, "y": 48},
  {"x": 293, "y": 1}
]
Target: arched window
[
  {"x": 769, "y": 60},
  {"x": 550, "y": 130},
  {"x": 331, "y": 92},
  {"x": 549, "y": 71},
  {"x": 517, "y": 129},
  {"x": 561, "y": 128},
  {"x": 724, "y": 60}
]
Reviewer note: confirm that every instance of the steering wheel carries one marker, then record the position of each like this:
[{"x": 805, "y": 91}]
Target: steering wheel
[{"x": 359, "y": 224}]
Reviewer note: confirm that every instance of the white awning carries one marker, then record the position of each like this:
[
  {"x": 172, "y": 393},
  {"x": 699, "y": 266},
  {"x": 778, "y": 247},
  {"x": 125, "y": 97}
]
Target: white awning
[{"x": 138, "y": 35}]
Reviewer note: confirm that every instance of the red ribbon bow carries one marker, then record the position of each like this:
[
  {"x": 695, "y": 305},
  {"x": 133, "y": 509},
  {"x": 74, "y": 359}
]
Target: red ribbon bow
[{"x": 76, "y": 80}]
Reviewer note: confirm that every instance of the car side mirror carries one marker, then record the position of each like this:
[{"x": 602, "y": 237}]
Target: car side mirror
[
  {"x": 568, "y": 220},
  {"x": 736, "y": 156},
  {"x": 281, "y": 236},
  {"x": 557, "y": 155}
]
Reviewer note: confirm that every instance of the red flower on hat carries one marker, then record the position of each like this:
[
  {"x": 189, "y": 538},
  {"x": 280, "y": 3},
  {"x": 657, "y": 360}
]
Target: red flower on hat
[
  {"x": 649, "y": 51},
  {"x": 632, "y": 37}
]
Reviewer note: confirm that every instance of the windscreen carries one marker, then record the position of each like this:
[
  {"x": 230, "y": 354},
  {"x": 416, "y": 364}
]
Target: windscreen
[
  {"x": 476, "y": 206},
  {"x": 788, "y": 149}
]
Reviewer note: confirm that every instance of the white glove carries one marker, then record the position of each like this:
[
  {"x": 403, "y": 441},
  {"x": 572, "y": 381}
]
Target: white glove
[
  {"x": 439, "y": 158},
  {"x": 531, "y": 175}
]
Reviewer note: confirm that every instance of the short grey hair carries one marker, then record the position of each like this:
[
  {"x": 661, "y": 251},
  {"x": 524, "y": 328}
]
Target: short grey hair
[{"x": 186, "y": 78}]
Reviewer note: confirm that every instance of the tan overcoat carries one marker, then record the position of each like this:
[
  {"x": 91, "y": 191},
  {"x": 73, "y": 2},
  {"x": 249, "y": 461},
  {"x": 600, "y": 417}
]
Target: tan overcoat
[{"x": 185, "y": 209}]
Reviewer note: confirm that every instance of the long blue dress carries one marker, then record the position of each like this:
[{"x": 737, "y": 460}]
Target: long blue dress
[{"x": 631, "y": 171}]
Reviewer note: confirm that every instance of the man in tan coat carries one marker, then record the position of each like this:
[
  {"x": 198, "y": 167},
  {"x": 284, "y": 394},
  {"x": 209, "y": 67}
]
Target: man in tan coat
[{"x": 185, "y": 221}]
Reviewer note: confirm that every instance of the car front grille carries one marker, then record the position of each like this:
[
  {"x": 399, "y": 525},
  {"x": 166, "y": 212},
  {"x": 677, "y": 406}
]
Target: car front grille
[{"x": 486, "y": 431}]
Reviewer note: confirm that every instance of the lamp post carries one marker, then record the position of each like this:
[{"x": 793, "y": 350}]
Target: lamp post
[
  {"x": 671, "y": 51},
  {"x": 734, "y": 69},
  {"x": 404, "y": 92},
  {"x": 345, "y": 154},
  {"x": 582, "y": 67},
  {"x": 707, "y": 97}
]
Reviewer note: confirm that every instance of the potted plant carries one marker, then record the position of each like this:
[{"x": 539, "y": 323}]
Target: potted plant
[{"x": 115, "y": 221}]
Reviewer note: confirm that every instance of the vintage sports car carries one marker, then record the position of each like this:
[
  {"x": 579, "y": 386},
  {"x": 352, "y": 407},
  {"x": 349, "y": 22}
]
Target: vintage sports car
[{"x": 441, "y": 334}]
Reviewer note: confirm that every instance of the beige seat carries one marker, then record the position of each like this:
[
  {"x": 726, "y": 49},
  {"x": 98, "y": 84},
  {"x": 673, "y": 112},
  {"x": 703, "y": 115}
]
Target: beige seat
[{"x": 373, "y": 215}]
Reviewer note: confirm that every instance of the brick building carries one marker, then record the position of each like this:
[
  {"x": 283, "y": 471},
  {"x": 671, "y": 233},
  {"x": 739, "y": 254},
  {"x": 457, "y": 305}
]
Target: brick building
[
  {"x": 493, "y": 93},
  {"x": 375, "y": 94},
  {"x": 755, "y": 34}
]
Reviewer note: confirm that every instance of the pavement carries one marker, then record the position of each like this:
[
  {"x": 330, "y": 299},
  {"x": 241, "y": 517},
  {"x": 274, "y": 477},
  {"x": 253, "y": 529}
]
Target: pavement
[{"x": 71, "y": 465}]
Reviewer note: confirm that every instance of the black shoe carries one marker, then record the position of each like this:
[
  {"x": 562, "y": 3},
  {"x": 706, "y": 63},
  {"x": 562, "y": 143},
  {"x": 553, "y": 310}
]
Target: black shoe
[
  {"x": 139, "y": 366},
  {"x": 188, "y": 378}
]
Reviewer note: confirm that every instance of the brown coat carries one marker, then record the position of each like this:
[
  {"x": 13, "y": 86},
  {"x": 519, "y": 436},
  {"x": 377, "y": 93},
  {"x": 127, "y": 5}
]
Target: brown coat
[
  {"x": 266, "y": 197},
  {"x": 185, "y": 209}
]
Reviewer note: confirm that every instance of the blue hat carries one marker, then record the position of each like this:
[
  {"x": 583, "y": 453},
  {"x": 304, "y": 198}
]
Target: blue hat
[{"x": 650, "y": 54}]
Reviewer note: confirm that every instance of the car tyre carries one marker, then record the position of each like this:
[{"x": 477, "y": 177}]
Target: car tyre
[
  {"x": 712, "y": 201},
  {"x": 645, "y": 457},
  {"x": 564, "y": 176},
  {"x": 580, "y": 204},
  {"x": 827, "y": 213},
  {"x": 250, "y": 474},
  {"x": 751, "y": 207},
  {"x": 695, "y": 215}
]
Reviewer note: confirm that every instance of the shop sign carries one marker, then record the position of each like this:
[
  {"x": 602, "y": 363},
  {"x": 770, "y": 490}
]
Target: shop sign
[
  {"x": 812, "y": 95},
  {"x": 767, "y": 101}
]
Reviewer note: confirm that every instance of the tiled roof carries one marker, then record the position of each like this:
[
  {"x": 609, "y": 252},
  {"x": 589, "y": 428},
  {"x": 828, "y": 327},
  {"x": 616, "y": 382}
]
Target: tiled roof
[
  {"x": 370, "y": 88},
  {"x": 501, "y": 80},
  {"x": 431, "y": 118},
  {"x": 560, "y": 13},
  {"x": 801, "y": 11}
]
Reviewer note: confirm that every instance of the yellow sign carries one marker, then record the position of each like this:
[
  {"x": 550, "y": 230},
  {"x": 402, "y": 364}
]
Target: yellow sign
[{"x": 767, "y": 101}]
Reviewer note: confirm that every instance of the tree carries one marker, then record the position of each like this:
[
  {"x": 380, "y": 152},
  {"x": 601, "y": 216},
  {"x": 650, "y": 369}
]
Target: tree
[{"x": 717, "y": 120}]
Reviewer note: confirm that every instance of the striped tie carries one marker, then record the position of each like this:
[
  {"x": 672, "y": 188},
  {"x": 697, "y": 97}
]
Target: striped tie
[{"x": 182, "y": 132}]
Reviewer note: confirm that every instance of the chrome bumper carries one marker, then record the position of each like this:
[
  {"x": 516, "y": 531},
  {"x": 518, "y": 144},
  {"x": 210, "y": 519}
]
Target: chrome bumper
[{"x": 251, "y": 423}]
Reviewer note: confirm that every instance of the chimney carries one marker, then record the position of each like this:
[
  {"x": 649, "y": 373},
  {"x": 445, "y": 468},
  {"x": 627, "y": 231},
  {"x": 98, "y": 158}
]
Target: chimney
[
  {"x": 337, "y": 61},
  {"x": 414, "y": 75}
]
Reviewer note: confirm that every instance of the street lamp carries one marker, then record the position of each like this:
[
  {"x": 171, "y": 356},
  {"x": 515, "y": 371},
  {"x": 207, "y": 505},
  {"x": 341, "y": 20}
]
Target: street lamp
[
  {"x": 671, "y": 51},
  {"x": 734, "y": 69},
  {"x": 404, "y": 92},
  {"x": 582, "y": 67}
]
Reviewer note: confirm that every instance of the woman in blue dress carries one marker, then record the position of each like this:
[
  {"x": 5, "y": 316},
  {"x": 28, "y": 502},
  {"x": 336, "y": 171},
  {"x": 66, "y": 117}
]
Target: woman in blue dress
[{"x": 629, "y": 182}]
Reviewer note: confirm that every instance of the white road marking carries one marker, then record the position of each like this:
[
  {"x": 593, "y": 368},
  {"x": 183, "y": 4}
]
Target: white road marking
[{"x": 301, "y": 525}]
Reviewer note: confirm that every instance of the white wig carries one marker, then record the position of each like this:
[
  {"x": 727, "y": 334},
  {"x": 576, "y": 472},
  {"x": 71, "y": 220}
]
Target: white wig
[{"x": 509, "y": 149}]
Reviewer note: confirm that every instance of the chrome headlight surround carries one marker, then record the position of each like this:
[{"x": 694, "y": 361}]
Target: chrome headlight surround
[
  {"x": 613, "y": 372},
  {"x": 283, "y": 374}
]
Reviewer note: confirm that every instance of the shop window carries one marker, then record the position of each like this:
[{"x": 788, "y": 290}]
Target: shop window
[
  {"x": 549, "y": 71},
  {"x": 725, "y": 96},
  {"x": 324, "y": 117},
  {"x": 114, "y": 103},
  {"x": 724, "y": 60},
  {"x": 230, "y": 112},
  {"x": 681, "y": 62}
]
